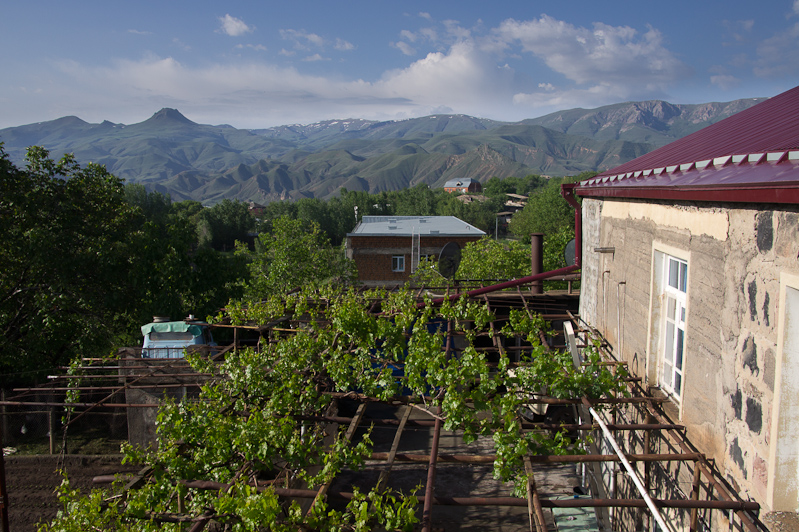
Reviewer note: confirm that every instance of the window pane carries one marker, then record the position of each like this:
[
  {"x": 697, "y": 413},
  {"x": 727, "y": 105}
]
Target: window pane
[
  {"x": 677, "y": 384},
  {"x": 674, "y": 274},
  {"x": 678, "y": 354},
  {"x": 683, "y": 276},
  {"x": 671, "y": 308},
  {"x": 668, "y": 355}
]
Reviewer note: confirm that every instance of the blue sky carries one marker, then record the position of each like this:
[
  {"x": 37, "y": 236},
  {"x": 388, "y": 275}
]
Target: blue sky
[{"x": 261, "y": 64}]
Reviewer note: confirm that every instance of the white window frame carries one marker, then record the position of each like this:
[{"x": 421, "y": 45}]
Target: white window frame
[
  {"x": 398, "y": 263},
  {"x": 783, "y": 464},
  {"x": 672, "y": 354},
  {"x": 666, "y": 326}
]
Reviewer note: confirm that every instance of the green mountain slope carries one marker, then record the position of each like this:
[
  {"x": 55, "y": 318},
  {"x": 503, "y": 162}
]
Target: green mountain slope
[{"x": 174, "y": 155}]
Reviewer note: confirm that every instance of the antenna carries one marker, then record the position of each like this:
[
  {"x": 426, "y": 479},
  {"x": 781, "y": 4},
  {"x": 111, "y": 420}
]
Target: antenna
[
  {"x": 449, "y": 259},
  {"x": 569, "y": 252}
]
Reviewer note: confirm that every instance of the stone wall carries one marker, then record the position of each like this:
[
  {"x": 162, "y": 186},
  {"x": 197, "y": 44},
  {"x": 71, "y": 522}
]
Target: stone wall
[{"x": 735, "y": 254}]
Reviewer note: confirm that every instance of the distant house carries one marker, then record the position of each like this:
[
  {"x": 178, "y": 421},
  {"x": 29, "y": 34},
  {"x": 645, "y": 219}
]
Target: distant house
[
  {"x": 386, "y": 249},
  {"x": 690, "y": 271},
  {"x": 256, "y": 209},
  {"x": 515, "y": 202},
  {"x": 471, "y": 198},
  {"x": 466, "y": 184}
]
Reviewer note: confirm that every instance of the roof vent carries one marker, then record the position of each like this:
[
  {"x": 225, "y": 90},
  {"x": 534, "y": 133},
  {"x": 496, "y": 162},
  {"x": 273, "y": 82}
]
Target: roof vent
[
  {"x": 434, "y": 231},
  {"x": 392, "y": 226}
]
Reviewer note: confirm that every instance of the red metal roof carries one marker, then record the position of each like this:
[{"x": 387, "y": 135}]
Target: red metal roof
[{"x": 757, "y": 148}]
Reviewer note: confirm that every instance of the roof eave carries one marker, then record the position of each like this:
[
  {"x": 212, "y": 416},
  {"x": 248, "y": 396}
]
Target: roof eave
[{"x": 787, "y": 192}]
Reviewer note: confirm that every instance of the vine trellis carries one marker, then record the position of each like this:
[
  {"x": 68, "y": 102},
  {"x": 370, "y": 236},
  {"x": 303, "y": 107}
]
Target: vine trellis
[{"x": 260, "y": 436}]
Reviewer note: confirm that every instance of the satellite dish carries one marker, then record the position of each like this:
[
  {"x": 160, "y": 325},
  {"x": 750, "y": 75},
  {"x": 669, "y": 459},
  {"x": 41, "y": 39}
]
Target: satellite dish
[
  {"x": 449, "y": 259},
  {"x": 569, "y": 253}
]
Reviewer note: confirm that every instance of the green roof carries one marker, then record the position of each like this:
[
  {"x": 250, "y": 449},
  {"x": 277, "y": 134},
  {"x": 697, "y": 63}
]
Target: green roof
[{"x": 171, "y": 326}]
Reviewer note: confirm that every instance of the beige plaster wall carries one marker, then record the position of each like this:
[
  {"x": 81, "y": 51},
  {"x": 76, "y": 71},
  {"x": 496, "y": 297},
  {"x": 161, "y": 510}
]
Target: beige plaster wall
[{"x": 735, "y": 257}]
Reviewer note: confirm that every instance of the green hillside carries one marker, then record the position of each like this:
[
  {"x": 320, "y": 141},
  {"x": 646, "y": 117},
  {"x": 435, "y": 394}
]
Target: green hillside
[{"x": 171, "y": 154}]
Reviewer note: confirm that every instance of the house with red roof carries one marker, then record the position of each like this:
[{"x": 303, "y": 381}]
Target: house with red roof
[{"x": 690, "y": 269}]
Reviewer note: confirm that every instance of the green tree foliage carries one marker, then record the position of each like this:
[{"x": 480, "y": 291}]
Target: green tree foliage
[
  {"x": 87, "y": 260},
  {"x": 64, "y": 229},
  {"x": 546, "y": 212},
  {"x": 485, "y": 259},
  {"x": 247, "y": 424},
  {"x": 294, "y": 254},
  {"x": 492, "y": 259},
  {"x": 524, "y": 186},
  {"x": 169, "y": 273},
  {"x": 222, "y": 225}
]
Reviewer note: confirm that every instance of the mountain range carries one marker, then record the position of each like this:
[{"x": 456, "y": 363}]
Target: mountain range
[{"x": 171, "y": 154}]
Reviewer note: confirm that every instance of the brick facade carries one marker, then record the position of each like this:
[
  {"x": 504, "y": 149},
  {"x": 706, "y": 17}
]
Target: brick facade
[{"x": 373, "y": 254}]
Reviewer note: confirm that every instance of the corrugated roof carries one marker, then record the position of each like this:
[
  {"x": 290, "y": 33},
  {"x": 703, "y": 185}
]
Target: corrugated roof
[
  {"x": 459, "y": 182},
  {"x": 756, "y": 148},
  {"x": 410, "y": 225}
]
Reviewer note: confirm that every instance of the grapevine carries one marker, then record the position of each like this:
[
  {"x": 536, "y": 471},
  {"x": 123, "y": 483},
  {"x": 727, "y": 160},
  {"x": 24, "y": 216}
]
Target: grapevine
[{"x": 225, "y": 456}]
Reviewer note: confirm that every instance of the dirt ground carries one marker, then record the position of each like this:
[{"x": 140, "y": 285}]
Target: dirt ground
[{"x": 31, "y": 483}]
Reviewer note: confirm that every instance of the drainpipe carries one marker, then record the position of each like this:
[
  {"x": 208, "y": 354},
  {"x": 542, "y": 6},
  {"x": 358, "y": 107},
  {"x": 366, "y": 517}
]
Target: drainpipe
[
  {"x": 537, "y": 261},
  {"x": 567, "y": 191}
]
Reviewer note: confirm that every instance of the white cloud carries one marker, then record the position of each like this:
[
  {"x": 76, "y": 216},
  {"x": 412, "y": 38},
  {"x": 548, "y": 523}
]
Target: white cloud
[
  {"x": 139, "y": 32},
  {"x": 777, "y": 56},
  {"x": 612, "y": 55},
  {"x": 233, "y": 26},
  {"x": 462, "y": 78},
  {"x": 344, "y": 46},
  {"x": 472, "y": 71},
  {"x": 404, "y": 47},
  {"x": 425, "y": 15},
  {"x": 302, "y": 39},
  {"x": 180, "y": 44},
  {"x": 740, "y": 30},
  {"x": 454, "y": 29},
  {"x": 796, "y": 7},
  {"x": 411, "y": 36},
  {"x": 256, "y": 47},
  {"x": 725, "y": 81}
]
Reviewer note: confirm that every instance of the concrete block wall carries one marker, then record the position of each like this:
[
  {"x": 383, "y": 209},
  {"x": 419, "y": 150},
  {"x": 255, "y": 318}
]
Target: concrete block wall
[{"x": 736, "y": 255}]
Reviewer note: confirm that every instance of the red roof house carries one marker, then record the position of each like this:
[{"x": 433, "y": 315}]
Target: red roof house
[{"x": 690, "y": 271}]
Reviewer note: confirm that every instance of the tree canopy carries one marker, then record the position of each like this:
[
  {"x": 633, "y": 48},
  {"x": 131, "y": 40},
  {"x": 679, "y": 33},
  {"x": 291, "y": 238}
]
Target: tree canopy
[
  {"x": 62, "y": 229},
  {"x": 293, "y": 255},
  {"x": 88, "y": 260}
]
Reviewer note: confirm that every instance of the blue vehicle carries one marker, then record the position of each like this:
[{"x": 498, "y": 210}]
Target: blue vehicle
[{"x": 170, "y": 339}]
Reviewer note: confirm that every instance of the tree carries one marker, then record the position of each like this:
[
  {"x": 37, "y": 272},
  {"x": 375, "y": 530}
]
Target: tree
[
  {"x": 63, "y": 259},
  {"x": 293, "y": 255},
  {"x": 546, "y": 212},
  {"x": 225, "y": 223},
  {"x": 170, "y": 274},
  {"x": 492, "y": 259},
  {"x": 485, "y": 259}
]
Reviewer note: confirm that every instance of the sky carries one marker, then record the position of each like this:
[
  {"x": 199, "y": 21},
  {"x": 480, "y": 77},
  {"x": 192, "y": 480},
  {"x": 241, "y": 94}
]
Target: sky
[{"x": 263, "y": 64}]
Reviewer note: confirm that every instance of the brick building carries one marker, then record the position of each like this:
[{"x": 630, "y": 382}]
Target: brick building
[
  {"x": 386, "y": 249},
  {"x": 463, "y": 184}
]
